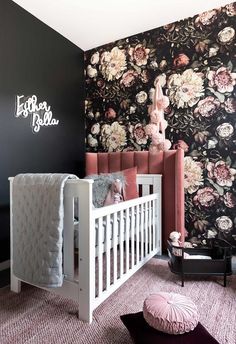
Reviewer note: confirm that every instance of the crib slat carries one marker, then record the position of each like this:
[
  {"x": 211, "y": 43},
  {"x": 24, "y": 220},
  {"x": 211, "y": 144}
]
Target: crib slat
[
  {"x": 150, "y": 225},
  {"x": 100, "y": 260},
  {"x": 127, "y": 228},
  {"x": 132, "y": 237},
  {"x": 137, "y": 233},
  {"x": 154, "y": 224},
  {"x": 115, "y": 230},
  {"x": 108, "y": 248},
  {"x": 146, "y": 228},
  {"x": 121, "y": 231},
  {"x": 141, "y": 230}
]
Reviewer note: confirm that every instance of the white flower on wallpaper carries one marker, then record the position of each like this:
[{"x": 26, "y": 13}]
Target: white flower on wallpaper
[
  {"x": 225, "y": 130},
  {"x": 185, "y": 90},
  {"x": 113, "y": 136},
  {"x": 92, "y": 72},
  {"x": 141, "y": 97},
  {"x": 226, "y": 35},
  {"x": 224, "y": 223},
  {"x": 92, "y": 142},
  {"x": 113, "y": 63},
  {"x": 193, "y": 175},
  {"x": 95, "y": 58}
]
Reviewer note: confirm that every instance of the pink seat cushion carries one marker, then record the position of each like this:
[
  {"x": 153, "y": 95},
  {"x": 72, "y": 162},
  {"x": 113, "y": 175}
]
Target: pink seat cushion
[{"x": 170, "y": 313}]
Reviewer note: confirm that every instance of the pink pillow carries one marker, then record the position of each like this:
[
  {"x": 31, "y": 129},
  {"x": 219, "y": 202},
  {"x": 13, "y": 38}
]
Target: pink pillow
[
  {"x": 170, "y": 313},
  {"x": 130, "y": 189}
]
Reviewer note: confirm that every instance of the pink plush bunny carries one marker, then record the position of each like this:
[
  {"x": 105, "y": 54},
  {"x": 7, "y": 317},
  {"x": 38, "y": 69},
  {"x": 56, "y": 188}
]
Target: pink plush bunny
[
  {"x": 114, "y": 195},
  {"x": 156, "y": 129}
]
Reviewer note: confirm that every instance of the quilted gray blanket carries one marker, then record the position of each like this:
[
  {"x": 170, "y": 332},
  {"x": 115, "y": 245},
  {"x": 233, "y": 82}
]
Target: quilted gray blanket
[{"x": 37, "y": 215}]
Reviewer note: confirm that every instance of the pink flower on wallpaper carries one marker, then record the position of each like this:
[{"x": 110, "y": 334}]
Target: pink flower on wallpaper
[
  {"x": 206, "y": 197},
  {"x": 181, "y": 60},
  {"x": 101, "y": 83},
  {"x": 206, "y": 18},
  {"x": 207, "y": 107},
  {"x": 221, "y": 173},
  {"x": 110, "y": 113},
  {"x": 169, "y": 27},
  {"x": 230, "y": 200},
  {"x": 222, "y": 80},
  {"x": 181, "y": 144},
  {"x": 139, "y": 54},
  {"x": 140, "y": 134},
  {"x": 128, "y": 78},
  {"x": 231, "y": 9}
]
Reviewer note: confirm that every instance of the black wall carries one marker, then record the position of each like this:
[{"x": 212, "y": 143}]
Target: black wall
[{"x": 34, "y": 59}]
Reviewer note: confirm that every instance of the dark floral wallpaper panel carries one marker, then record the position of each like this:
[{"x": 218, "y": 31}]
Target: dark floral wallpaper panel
[{"x": 195, "y": 61}]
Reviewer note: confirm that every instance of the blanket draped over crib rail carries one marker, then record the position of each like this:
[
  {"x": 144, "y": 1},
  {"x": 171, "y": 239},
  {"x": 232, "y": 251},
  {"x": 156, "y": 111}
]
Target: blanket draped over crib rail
[{"x": 38, "y": 214}]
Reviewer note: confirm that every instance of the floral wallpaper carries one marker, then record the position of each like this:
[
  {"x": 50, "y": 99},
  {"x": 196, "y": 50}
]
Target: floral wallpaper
[{"x": 195, "y": 61}]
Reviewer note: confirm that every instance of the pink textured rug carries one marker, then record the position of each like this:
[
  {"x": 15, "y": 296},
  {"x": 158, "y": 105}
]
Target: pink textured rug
[{"x": 36, "y": 316}]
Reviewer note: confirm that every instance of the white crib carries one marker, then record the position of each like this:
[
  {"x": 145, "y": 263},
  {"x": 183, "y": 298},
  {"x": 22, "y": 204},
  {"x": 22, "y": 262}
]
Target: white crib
[{"x": 113, "y": 241}]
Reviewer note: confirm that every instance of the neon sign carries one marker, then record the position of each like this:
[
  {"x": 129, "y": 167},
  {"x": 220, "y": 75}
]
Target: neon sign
[{"x": 40, "y": 113}]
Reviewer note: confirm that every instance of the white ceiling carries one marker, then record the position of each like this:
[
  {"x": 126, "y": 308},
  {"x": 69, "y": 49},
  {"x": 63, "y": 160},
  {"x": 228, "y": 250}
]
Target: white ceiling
[{"x": 91, "y": 23}]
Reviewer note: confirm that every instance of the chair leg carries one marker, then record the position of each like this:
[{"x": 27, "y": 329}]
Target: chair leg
[{"x": 182, "y": 280}]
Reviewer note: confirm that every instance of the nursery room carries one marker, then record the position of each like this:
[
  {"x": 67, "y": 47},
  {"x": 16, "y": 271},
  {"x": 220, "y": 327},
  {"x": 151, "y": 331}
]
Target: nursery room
[{"x": 117, "y": 180}]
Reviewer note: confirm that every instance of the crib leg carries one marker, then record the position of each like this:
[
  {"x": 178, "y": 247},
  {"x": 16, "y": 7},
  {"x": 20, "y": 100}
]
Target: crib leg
[
  {"x": 224, "y": 279},
  {"x": 182, "y": 279},
  {"x": 15, "y": 284},
  {"x": 85, "y": 314}
]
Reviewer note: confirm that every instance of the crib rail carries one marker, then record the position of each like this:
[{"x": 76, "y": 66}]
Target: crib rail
[
  {"x": 128, "y": 231},
  {"x": 114, "y": 241}
]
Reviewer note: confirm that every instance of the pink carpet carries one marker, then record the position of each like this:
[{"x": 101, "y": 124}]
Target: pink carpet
[{"x": 36, "y": 316}]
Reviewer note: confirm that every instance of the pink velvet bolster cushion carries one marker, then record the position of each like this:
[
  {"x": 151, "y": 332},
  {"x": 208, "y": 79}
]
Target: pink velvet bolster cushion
[{"x": 170, "y": 313}]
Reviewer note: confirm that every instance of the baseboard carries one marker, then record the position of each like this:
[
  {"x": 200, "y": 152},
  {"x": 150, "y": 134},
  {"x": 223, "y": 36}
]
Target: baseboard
[{"x": 5, "y": 265}]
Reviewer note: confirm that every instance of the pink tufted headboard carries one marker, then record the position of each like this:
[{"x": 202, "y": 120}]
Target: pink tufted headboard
[{"x": 170, "y": 164}]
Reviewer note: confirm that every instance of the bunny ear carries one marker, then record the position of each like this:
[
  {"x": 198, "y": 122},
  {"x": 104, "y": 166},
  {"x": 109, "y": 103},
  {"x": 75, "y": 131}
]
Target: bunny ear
[{"x": 158, "y": 95}]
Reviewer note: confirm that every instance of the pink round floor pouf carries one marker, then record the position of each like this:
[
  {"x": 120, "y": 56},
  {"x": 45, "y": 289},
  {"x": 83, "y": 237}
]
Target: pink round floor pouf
[{"x": 170, "y": 313}]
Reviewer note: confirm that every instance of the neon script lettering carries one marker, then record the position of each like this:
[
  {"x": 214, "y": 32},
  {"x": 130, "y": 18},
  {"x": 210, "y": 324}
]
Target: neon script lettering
[{"x": 41, "y": 114}]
